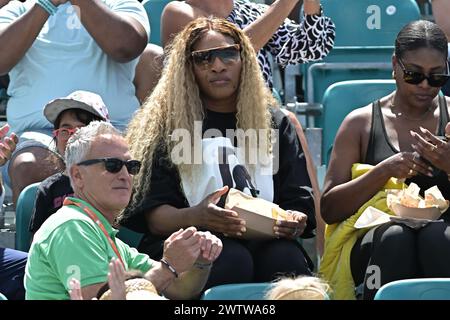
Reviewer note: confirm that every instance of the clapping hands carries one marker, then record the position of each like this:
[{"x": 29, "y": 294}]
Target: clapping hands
[
  {"x": 187, "y": 246},
  {"x": 7, "y": 144},
  {"x": 292, "y": 228}
]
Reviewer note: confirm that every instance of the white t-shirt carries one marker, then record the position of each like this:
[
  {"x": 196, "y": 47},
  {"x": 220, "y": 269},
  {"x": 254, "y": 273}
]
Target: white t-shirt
[
  {"x": 214, "y": 173},
  {"x": 65, "y": 58}
]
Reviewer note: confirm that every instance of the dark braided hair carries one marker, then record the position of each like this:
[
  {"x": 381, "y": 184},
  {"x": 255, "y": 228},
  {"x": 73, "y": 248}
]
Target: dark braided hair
[{"x": 421, "y": 34}]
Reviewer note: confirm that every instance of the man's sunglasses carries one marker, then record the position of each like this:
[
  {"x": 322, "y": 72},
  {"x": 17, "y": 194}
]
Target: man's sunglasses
[
  {"x": 114, "y": 165},
  {"x": 64, "y": 133},
  {"x": 434, "y": 79},
  {"x": 227, "y": 54}
]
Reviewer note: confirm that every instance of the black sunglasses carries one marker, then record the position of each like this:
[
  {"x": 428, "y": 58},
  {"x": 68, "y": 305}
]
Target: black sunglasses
[
  {"x": 227, "y": 54},
  {"x": 434, "y": 79},
  {"x": 114, "y": 165}
]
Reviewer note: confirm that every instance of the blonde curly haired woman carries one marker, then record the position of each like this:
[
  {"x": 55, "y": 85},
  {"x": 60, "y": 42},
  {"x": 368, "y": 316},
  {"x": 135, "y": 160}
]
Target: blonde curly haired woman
[{"x": 212, "y": 89}]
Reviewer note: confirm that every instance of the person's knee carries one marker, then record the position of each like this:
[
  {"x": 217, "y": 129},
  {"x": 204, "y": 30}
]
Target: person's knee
[
  {"x": 394, "y": 253},
  {"x": 395, "y": 238},
  {"x": 234, "y": 265},
  {"x": 280, "y": 257},
  {"x": 236, "y": 254},
  {"x": 430, "y": 235},
  {"x": 22, "y": 169},
  {"x": 433, "y": 245}
]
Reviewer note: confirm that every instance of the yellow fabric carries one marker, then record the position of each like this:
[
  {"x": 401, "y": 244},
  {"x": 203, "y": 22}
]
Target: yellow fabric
[{"x": 341, "y": 237}]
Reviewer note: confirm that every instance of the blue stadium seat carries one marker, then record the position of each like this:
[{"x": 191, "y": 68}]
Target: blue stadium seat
[
  {"x": 415, "y": 289},
  {"x": 24, "y": 210},
  {"x": 239, "y": 291},
  {"x": 323, "y": 75},
  {"x": 343, "y": 97},
  {"x": 365, "y": 37},
  {"x": 154, "y": 9},
  {"x": 364, "y": 44},
  {"x": 367, "y": 22}
]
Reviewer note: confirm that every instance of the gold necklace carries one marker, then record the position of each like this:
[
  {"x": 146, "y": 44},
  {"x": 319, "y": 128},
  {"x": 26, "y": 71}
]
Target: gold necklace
[{"x": 400, "y": 114}]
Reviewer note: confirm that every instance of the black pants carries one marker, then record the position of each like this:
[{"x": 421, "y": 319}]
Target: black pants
[
  {"x": 399, "y": 252},
  {"x": 12, "y": 271},
  {"x": 258, "y": 261}
]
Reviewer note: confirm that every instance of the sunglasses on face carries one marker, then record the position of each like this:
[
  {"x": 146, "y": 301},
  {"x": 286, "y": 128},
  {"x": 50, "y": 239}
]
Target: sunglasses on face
[
  {"x": 434, "y": 79},
  {"x": 64, "y": 133},
  {"x": 227, "y": 54},
  {"x": 114, "y": 165}
]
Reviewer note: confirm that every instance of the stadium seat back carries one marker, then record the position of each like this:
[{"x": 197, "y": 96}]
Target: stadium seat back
[
  {"x": 364, "y": 43},
  {"x": 24, "y": 210},
  {"x": 415, "y": 289},
  {"x": 241, "y": 291},
  {"x": 368, "y": 22},
  {"x": 154, "y": 9},
  {"x": 343, "y": 97}
]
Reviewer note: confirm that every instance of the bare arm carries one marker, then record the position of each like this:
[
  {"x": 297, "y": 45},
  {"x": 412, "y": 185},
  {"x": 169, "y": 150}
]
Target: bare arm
[
  {"x": 262, "y": 29},
  {"x": 183, "y": 250},
  {"x": 441, "y": 9},
  {"x": 187, "y": 286},
  {"x": 121, "y": 37},
  {"x": 3, "y": 3},
  {"x": 342, "y": 197},
  {"x": 166, "y": 219},
  {"x": 18, "y": 37},
  {"x": 177, "y": 15},
  {"x": 89, "y": 292},
  {"x": 148, "y": 71}
]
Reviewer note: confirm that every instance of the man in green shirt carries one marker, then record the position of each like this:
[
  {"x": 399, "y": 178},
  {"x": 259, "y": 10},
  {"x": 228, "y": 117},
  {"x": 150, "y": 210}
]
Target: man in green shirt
[{"x": 79, "y": 241}]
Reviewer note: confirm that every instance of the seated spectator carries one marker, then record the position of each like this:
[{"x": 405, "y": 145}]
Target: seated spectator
[
  {"x": 212, "y": 83},
  {"x": 399, "y": 136},
  {"x": 67, "y": 115},
  {"x": 49, "y": 52},
  {"x": 299, "y": 288},
  {"x": 79, "y": 240},
  {"x": 267, "y": 27}
]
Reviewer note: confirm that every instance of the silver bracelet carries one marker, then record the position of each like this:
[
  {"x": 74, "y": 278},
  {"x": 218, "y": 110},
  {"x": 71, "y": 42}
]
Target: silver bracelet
[{"x": 170, "y": 267}]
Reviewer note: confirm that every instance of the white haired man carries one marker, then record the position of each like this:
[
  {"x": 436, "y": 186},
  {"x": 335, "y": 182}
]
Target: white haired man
[{"x": 79, "y": 241}]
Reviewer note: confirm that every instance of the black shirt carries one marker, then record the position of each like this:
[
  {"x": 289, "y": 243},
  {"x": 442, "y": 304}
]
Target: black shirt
[
  {"x": 380, "y": 148},
  {"x": 291, "y": 184},
  {"x": 49, "y": 198}
]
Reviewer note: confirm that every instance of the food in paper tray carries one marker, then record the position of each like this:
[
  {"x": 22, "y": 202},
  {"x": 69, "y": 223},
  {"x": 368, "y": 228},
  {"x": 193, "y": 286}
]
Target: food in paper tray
[
  {"x": 408, "y": 203},
  {"x": 260, "y": 215}
]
